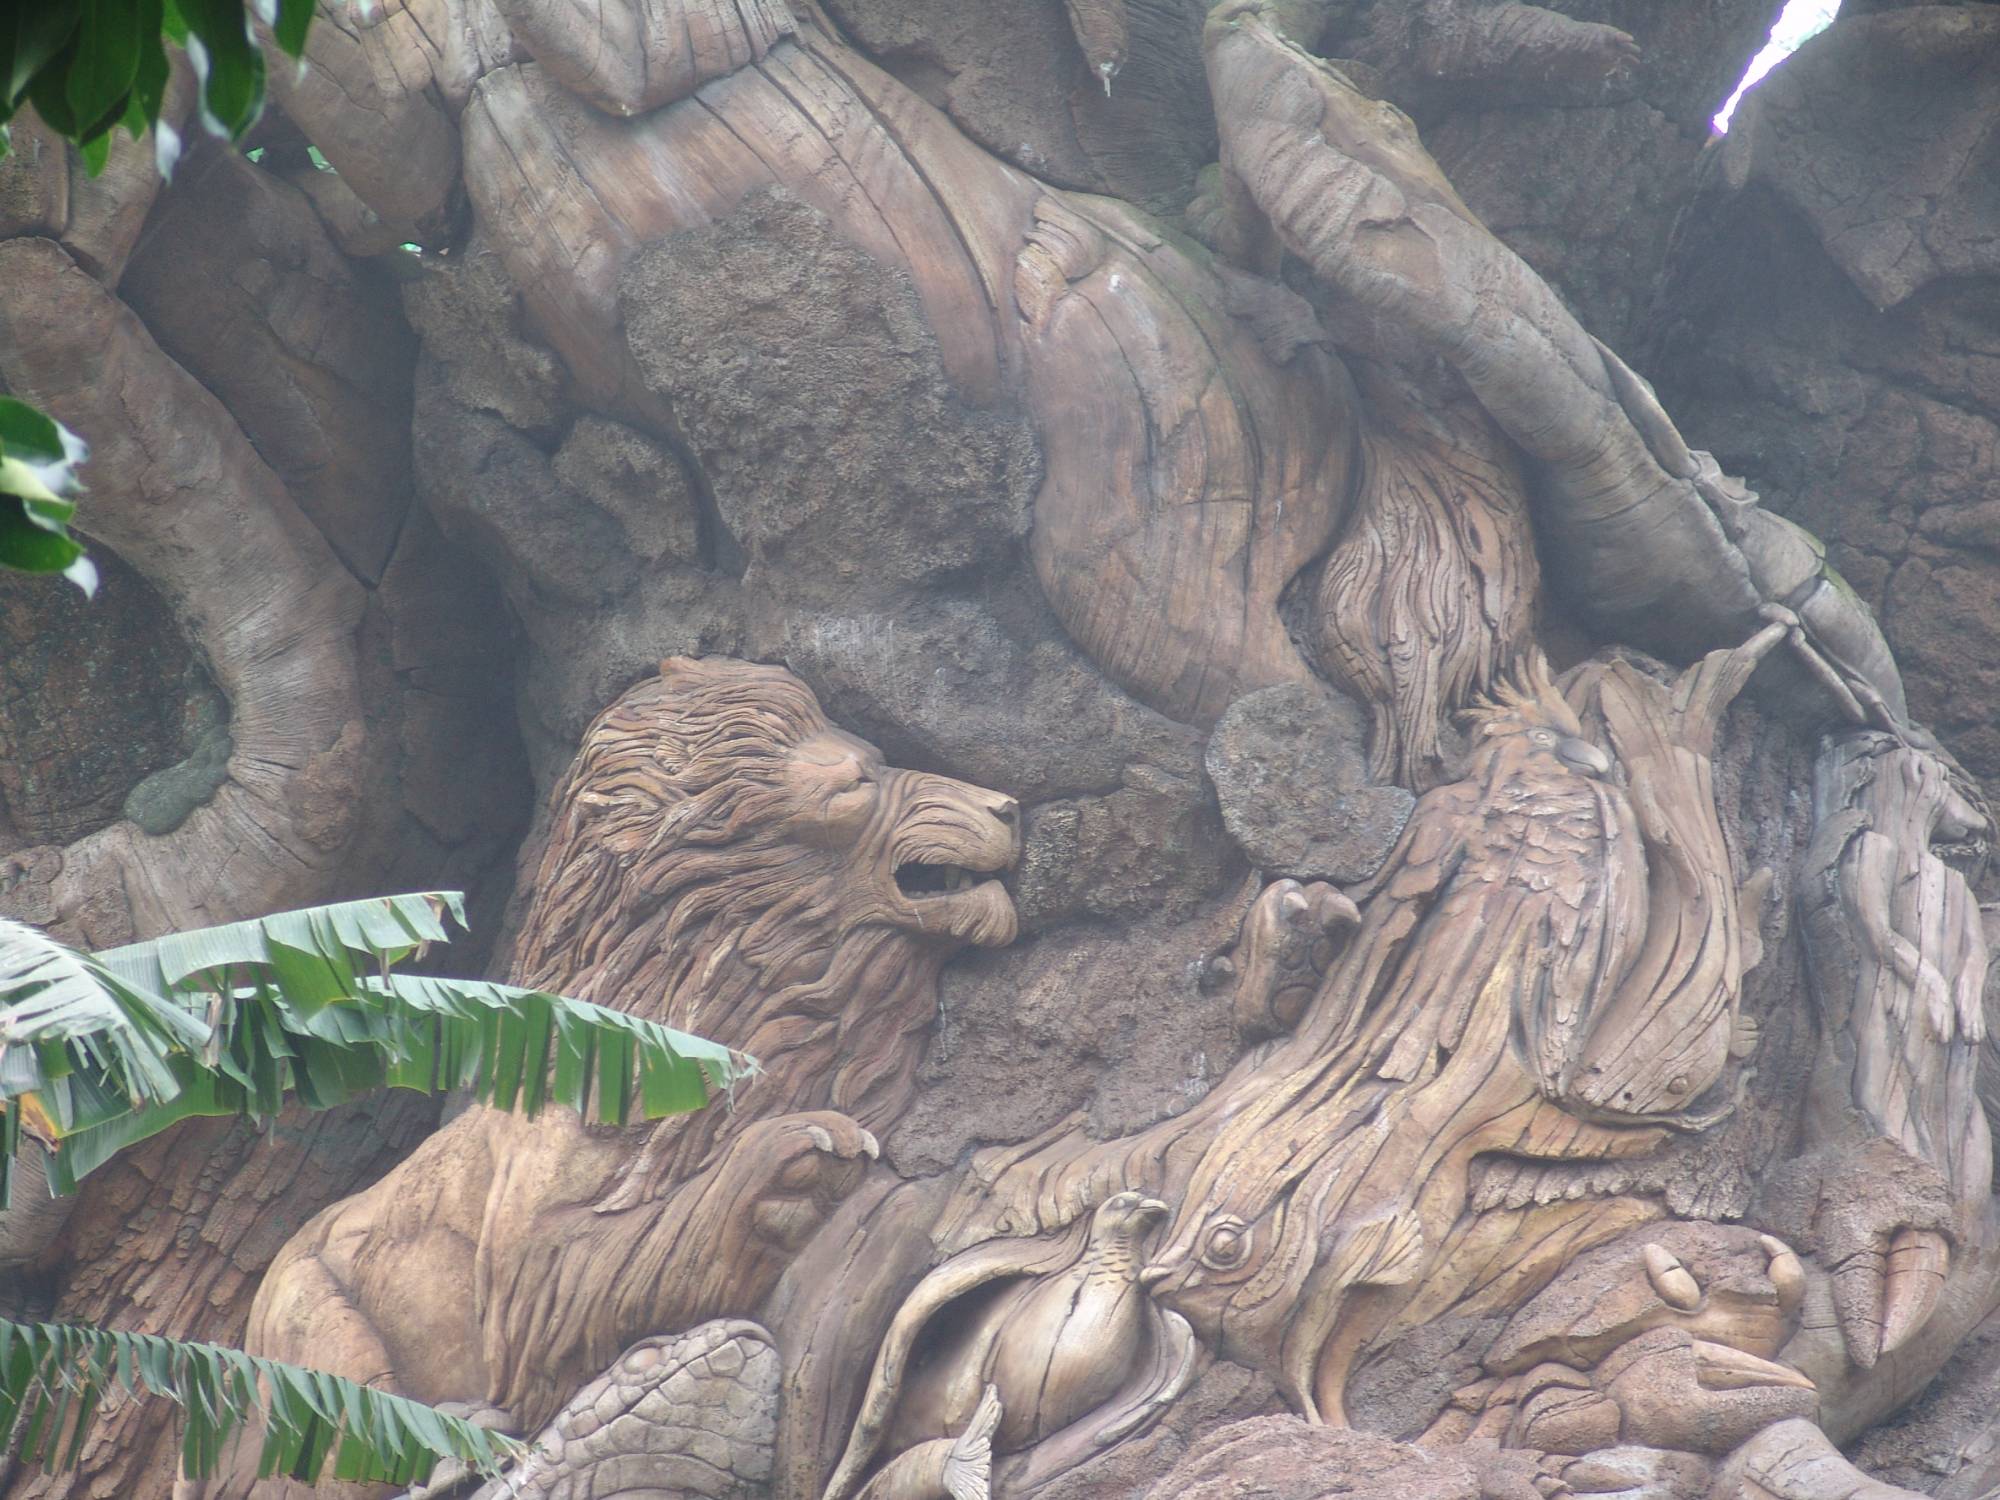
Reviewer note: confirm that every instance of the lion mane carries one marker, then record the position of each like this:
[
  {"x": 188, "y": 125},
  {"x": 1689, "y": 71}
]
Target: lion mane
[
  {"x": 722, "y": 859},
  {"x": 707, "y": 868},
  {"x": 676, "y": 886}
]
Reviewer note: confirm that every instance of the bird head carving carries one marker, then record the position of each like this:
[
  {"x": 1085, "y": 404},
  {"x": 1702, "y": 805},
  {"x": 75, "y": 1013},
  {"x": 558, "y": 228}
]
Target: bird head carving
[
  {"x": 1526, "y": 724},
  {"x": 1126, "y": 1219}
]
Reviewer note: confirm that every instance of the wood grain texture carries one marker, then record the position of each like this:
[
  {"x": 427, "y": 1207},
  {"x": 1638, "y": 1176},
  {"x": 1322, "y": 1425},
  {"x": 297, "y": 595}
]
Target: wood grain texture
[
  {"x": 1188, "y": 476},
  {"x": 185, "y": 499},
  {"x": 1535, "y": 924},
  {"x": 724, "y": 860},
  {"x": 1480, "y": 1082},
  {"x": 1429, "y": 597},
  {"x": 375, "y": 97},
  {"x": 628, "y": 57}
]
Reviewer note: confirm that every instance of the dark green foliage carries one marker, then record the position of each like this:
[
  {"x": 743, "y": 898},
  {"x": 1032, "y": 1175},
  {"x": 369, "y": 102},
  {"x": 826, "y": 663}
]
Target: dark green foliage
[
  {"x": 53, "y": 1377},
  {"x": 38, "y": 462},
  {"x": 89, "y": 66}
]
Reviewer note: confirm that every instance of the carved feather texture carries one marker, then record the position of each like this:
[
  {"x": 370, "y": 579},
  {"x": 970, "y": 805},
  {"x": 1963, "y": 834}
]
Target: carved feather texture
[{"x": 1430, "y": 595}]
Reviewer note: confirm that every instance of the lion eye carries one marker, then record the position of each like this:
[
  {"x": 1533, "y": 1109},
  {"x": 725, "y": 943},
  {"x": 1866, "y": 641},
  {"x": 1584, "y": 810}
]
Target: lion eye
[{"x": 1227, "y": 1245}]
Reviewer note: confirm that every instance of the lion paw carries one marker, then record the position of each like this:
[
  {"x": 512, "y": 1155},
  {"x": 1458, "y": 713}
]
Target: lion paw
[{"x": 1290, "y": 938}]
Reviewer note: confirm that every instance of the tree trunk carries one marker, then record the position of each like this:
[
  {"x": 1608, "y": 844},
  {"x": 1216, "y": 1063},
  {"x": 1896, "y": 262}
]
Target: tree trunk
[{"x": 1482, "y": 866}]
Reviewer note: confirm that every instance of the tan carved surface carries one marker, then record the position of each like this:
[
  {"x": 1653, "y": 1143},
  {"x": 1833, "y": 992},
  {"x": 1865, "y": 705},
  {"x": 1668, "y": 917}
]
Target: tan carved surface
[
  {"x": 765, "y": 880},
  {"x": 1454, "y": 969}
]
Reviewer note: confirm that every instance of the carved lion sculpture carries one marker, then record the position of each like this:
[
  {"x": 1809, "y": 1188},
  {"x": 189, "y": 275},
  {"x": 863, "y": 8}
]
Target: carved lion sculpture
[{"x": 724, "y": 860}]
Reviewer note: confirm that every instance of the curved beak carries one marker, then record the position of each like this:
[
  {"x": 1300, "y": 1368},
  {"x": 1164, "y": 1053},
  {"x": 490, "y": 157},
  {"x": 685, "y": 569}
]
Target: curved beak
[
  {"x": 1718, "y": 1367},
  {"x": 1581, "y": 755}
]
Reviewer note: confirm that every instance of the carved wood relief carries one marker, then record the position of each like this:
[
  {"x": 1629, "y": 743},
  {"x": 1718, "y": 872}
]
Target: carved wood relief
[{"x": 1340, "y": 441}]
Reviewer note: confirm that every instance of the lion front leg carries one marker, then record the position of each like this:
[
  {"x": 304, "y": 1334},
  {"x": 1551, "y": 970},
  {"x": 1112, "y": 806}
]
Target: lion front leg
[
  {"x": 587, "y": 1281},
  {"x": 302, "y": 1315}
]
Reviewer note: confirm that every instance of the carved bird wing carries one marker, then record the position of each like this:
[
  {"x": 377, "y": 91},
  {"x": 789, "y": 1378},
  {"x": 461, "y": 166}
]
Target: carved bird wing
[
  {"x": 965, "y": 1272},
  {"x": 1660, "y": 1038},
  {"x": 1172, "y": 1361},
  {"x": 1519, "y": 891}
]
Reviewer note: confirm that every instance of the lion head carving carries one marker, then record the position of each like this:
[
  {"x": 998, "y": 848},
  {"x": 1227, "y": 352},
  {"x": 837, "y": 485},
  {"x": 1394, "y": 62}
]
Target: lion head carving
[
  {"x": 724, "y": 860},
  {"x": 721, "y": 858}
]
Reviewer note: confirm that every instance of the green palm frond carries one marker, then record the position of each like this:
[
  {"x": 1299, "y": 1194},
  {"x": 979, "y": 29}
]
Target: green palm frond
[
  {"x": 97, "y": 1053},
  {"x": 77, "y": 1044},
  {"x": 53, "y": 1377}
]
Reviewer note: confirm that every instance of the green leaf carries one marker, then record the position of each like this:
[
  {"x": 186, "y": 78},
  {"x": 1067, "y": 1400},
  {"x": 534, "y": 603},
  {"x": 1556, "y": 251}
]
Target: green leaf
[
  {"x": 96, "y": 151},
  {"x": 77, "y": 1043},
  {"x": 105, "y": 62},
  {"x": 303, "y": 1003},
  {"x": 228, "y": 63},
  {"x": 50, "y": 98},
  {"x": 294, "y": 18},
  {"x": 25, "y": 481},
  {"x": 53, "y": 1377},
  {"x": 38, "y": 459},
  {"x": 28, "y": 434},
  {"x": 149, "y": 79},
  {"x": 378, "y": 927},
  {"x": 30, "y": 37},
  {"x": 26, "y": 545}
]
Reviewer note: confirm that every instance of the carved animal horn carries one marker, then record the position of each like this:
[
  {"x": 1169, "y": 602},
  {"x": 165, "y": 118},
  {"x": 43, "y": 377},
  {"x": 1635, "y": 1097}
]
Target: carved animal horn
[
  {"x": 1677, "y": 1288},
  {"x": 1723, "y": 1367},
  {"x": 1786, "y": 1271},
  {"x": 1919, "y": 1260}
]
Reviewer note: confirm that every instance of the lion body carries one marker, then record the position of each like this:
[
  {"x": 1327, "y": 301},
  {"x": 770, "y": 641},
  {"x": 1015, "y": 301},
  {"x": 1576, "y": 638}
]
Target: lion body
[{"x": 721, "y": 859}]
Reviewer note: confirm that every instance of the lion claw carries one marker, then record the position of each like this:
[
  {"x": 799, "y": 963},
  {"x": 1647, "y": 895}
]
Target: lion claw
[
  {"x": 1882, "y": 1300},
  {"x": 1289, "y": 940},
  {"x": 1919, "y": 1260}
]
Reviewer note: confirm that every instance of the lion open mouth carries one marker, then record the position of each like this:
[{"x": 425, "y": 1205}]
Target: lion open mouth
[
  {"x": 946, "y": 846},
  {"x": 920, "y": 878},
  {"x": 962, "y": 901}
]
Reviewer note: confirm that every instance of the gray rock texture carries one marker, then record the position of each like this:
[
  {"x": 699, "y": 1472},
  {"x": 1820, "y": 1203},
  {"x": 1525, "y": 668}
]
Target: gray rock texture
[{"x": 1289, "y": 765}]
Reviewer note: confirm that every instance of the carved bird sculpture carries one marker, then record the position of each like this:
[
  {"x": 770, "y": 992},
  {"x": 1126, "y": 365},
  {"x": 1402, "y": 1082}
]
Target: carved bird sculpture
[
  {"x": 1505, "y": 970},
  {"x": 1522, "y": 875},
  {"x": 1056, "y": 1332},
  {"x": 1338, "y": 1154}
]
